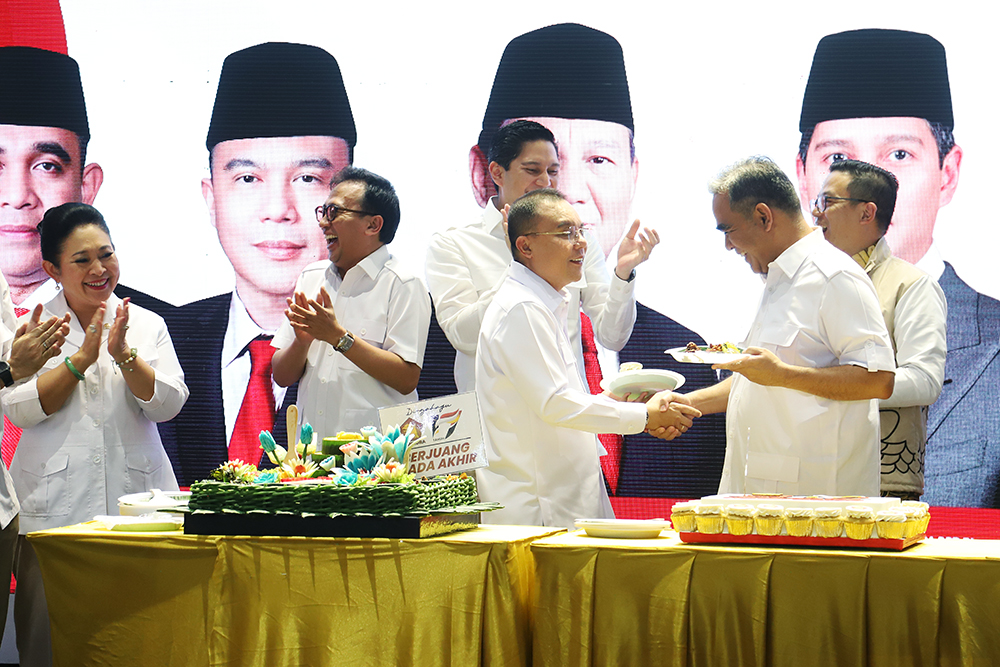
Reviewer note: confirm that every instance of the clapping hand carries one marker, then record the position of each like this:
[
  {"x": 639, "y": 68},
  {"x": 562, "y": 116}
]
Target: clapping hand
[
  {"x": 91, "y": 347},
  {"x": 36, "y": 342},
  {"x": 117, "y": 347},
  {"x": 315, "y": 318},
  {"x": 670, "y": 415},
  {"x": 635, "y": 249}
]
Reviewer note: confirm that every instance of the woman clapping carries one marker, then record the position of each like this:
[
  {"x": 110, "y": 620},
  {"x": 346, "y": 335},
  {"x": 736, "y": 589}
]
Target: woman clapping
[{"x": 88, "y": 415}]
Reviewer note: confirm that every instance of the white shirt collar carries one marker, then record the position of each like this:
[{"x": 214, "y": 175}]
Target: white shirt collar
[
  {"x": 493, "y": 218},
  {"x": 551, "y": 298},
  {"x": 240, "y": 331},
  {"x": 789, "y": 261}
]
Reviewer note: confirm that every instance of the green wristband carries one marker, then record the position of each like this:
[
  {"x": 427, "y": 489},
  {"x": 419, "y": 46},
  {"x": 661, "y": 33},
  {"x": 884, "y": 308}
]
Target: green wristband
[{"x": 72, "y": 369}]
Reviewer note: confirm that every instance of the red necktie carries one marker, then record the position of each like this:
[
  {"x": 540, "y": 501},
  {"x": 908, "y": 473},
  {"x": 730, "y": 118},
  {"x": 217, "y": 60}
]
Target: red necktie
[
  {"x": 257, "y": 411},
  {"x": 11, "y": 433},
  {"x": 592, "y": 367}
]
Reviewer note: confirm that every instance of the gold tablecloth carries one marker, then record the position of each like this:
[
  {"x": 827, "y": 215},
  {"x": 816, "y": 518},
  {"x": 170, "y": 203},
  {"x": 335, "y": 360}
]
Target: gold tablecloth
[
  {"x": 661, "y": 602},
  {"x": 171, "y": 599}
]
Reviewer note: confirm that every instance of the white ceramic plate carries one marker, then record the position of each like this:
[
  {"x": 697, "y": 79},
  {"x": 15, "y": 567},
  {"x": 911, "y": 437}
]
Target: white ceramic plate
[
  {"x": 633, "y": 385},
  {"x": 135, "y": 504},
  {"x": 144, "y": 523},
  {"x": 623, "y": 528},
  {"x": 703, "y": 356}
]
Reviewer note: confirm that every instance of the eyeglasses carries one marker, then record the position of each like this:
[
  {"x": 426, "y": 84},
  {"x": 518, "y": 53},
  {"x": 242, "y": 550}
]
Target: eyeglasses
[
  {"x": 822, "y": 202},
  {"x": 330, "y": 212},
  {"x": 572, "y": 234}
]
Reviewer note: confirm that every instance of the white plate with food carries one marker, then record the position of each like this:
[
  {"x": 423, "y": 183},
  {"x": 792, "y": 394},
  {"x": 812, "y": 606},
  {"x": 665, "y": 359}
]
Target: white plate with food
[
  {"x": 707, "y": 354},
  {"x": 640, "y": 384},
  {"x": 633, "y": 529}
]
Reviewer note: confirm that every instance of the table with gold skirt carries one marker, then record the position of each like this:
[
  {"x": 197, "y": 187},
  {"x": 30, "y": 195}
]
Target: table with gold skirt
[
  {"x": 661, "y": 602},
  {"x": 144, "y": 599}
]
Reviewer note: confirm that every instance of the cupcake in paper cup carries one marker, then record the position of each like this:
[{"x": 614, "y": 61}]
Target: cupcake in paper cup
[
  {"x": 890, "y": 524},
  {"x": 739, "y": 519},
  {"x": 799, "y": 521},
  {"x": 770, "y": 519},
  {"x": 829, "y": 522},
  {"x": 859, "y": 521},
  {"x": 709, "y": 519},
  {"x": 925, "y": 515},
  {"x": 682, "y": 517},
  {"x": 914, "y": 518}
]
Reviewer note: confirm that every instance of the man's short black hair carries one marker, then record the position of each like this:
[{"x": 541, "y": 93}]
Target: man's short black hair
[
  {"x": 379, "y": 198},
  {"x": 522, "y": 214},
  {"x": 871, "y": 183},
  {"x": 756, "y": 180},
  {"x": 510, "y": 139}
]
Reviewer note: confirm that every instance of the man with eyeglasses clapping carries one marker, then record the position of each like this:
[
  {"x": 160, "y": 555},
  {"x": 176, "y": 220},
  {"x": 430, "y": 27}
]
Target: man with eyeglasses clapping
[{"x": 356, "y": 328}]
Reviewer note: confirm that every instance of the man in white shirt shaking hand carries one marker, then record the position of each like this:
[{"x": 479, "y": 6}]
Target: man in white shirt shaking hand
[{"x": 539, "y": 420}]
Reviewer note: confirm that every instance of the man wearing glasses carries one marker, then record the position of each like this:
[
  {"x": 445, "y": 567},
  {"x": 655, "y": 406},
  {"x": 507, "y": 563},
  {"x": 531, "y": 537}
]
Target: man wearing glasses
[
  {"x": 356, "y": 327},
  {"x": 466, "y": 265},
  {"x": 883, "y": 96},
  {"x": 281, "y": 129},
  {"x": 853, "y": 210},
  {"x": 539, "y": 418},
  {"x": 801, "y": 418}
]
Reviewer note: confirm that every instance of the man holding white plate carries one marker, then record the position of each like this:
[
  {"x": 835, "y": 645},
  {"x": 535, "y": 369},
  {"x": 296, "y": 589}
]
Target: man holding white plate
[{"x": 801, "y": 408}]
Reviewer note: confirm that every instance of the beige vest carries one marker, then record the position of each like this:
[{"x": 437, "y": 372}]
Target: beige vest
[{"x": 904, "y": 430}]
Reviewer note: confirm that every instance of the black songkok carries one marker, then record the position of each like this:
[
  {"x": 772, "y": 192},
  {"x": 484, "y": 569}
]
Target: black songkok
[
  {"x": 877, "y": 74},
  {"x": 279, "y": 89},
  {"x": 41, "y": 88},
  {"x": 560, "y": 71}
]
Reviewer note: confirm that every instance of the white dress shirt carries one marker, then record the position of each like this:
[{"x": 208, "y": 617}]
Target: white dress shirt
[
  {"x": 235, "y": 370},
  {"x": 376, "y": 301},
  {"x": 538, "y": 418},
  {"x": 919, "y": 337},
  {"x": 465, "y": 268},
  {"x": 8, "y": 325},
  {"x": 102, "y": 443},
  {"x": 818, "y": 310}
]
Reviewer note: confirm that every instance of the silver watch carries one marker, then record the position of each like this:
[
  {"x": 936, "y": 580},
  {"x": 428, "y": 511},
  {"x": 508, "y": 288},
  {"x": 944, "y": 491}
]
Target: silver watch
[{"x": 345, "y": 343}]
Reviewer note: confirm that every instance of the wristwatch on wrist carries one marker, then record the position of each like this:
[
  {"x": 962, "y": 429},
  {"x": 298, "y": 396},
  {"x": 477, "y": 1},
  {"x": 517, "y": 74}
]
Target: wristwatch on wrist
[
  {"x": 5, "y": 375},
  {"x": 345, "y": 343}
]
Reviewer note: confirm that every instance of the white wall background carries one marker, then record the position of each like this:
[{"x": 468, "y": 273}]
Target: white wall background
[{"x": 710, "y": 83}]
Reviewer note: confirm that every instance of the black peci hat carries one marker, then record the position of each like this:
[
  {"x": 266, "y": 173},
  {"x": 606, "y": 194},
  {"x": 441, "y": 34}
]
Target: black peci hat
[
  {"x": 41, "y": 88},
  {"x": 875, "y": 74},
  {"x": 560, "y": 71},
  {"x": 279, "y": 89}
]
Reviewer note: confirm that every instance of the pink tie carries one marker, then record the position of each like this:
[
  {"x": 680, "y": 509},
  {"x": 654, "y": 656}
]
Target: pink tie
[
  {"x": 257, "y": 411},
  {"x": 592, "y": 367}
]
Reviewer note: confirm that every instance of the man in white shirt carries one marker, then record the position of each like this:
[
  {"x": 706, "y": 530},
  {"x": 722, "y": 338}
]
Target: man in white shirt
[
  {"x": 801, "y": 414},
  {"x": 538, "y": 417},
  {"x": 23, "y": 350},
  {"x": 883, "y": 96},
  {"x": 466, "y": 265},
  {"x": 356, "y": 328},
  {"x": 281, "y": 129},
  {"x": 854, "y": 209}
]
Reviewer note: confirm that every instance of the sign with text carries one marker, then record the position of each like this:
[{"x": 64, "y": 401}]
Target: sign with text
[{"x": 451, "y": 436}]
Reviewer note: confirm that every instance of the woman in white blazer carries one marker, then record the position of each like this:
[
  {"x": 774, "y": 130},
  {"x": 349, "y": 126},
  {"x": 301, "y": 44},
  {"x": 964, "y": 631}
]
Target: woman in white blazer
[{"x": 89, "y": 415}]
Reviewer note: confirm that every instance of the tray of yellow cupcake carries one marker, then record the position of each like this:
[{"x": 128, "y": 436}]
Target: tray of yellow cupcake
[{"x": 808, "y": 521}]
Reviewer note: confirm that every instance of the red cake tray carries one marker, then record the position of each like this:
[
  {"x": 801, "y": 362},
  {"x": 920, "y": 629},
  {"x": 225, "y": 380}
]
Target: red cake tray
[{"x": 790, "y": 541}]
